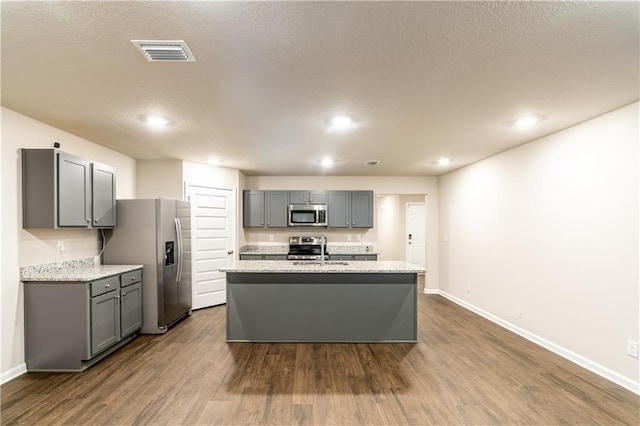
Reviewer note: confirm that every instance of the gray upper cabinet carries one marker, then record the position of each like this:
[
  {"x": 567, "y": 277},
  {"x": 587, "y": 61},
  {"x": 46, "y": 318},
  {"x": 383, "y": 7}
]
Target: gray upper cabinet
[
  {"x": 253, "y": 209},
  {"x": 362, "y": 209},
  {"x": 103, "y": 179},
  {"x": 339, "y": 207},
  {"x": 60, "y": 190},
  {"x": 277, "y": 203},
  {"x": 308, "y": 197},
  {"x": 74, "y": 191},
  {"x": 350, "y": 209},
  {"x": 265, "y": 209},
  {"x": 269, "y": 209}
]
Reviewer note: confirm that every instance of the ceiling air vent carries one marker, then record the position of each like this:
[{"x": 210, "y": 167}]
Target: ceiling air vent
[
  {"x": 164, "y": 50},
  {"x": 372, "y": 163}
]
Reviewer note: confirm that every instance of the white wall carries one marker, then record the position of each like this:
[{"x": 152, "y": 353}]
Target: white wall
[
  {"x": 389, "y": 236},
  {"x": 552, "y": 227},
  {"x": 398, "y": 185},
  {"x": 159, "y": 178},
  {"x": 23, "y": 247}
]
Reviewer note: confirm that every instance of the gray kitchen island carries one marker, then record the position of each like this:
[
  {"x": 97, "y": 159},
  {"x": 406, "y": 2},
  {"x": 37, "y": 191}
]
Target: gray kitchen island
[{"x": 285, "y": 301}]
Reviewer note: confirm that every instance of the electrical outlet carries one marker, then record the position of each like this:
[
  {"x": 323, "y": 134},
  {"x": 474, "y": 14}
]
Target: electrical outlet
[
  {"x": 348, "y": 237},
  {"x": 60, "y": 246},
  {"x": 520, "y": 312},
  {"x": 359, "y": 237},
  {"x": 96, "y": 260},
  {"x": 632, "y": 348},
  {"x": 468, "y": 287},
  {"x": 270, "y": 237}
]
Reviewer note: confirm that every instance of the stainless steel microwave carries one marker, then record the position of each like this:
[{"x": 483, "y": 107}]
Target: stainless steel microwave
[{"x": 307, "y": 215}]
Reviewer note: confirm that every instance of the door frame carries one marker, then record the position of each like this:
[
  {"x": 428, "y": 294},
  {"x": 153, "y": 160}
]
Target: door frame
[{"x": 234, "y": 219}]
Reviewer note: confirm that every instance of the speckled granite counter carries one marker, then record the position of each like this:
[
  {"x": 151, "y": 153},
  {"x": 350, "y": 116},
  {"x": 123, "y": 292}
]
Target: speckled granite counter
[
  {"x": 288, "y": 266},
  {"x": 75, "y": 270}
]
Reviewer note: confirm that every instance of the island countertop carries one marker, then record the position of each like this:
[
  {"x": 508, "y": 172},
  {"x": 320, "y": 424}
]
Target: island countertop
[{"x": 288, "y": 266}]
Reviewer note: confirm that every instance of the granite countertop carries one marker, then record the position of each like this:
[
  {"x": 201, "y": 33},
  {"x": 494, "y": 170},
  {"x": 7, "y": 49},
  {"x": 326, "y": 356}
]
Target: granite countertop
[
  {"x": 284, "y": 249},
  {"x": 76, "y": 270},
  {"x": 288, "y": 266}
]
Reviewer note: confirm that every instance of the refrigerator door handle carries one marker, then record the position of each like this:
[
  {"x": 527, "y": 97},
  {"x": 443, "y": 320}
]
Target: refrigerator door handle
[{"x": 179, "y": 260}]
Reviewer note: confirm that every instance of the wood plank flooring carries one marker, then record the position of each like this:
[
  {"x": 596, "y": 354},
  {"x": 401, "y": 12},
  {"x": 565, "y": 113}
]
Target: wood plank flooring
[{"x": 464, "y": 370}]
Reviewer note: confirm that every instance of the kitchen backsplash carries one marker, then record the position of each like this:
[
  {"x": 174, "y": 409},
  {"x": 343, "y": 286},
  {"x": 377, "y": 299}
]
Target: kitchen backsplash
[{"x": 348, "y": 236}]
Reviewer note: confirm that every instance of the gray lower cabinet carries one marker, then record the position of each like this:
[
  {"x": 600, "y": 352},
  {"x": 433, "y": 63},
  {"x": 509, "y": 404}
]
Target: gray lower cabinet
[
  {"x": 70, "y": 326},
  {"x": 365, "y": 257},
  {"x": 105, "y": 321},
  {"x": 60, "y": 190},
  {"x": 263, "y": 257},
  {"x": 130, "y": 309},
  {"x": 358, "y": 257}
]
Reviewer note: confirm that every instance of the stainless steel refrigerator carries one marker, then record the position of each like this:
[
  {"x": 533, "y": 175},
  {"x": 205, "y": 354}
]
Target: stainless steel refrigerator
[{"x": 157, "y": 234}]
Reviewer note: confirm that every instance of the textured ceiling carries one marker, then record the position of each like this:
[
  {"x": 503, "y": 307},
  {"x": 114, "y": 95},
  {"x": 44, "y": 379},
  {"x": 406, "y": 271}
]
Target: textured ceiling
[{"x": 422, "y": 79}]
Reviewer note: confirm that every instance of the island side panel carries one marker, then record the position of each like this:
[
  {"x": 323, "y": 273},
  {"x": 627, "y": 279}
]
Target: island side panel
[{"x": 315, "y": 307}]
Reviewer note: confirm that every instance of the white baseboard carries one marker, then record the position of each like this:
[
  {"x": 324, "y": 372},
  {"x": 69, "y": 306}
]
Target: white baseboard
[
  {"x": 13, "y": 373},
  {"x": 625, "y": 382}
]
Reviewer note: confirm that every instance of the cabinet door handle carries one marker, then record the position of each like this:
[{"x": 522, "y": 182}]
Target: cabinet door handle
[
  {"x": 133, "y": 278},
  {"x": 95, "y": 220},
  {"x": 124, "y": 294},
  {"x": 107, "y": 285}
]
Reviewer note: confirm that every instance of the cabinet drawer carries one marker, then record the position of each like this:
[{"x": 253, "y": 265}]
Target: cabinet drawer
[
  {"x": 132, "y": 277},
  {"x": 274, "y": 257},
  {"x": 250, "y": 257},
  {"x": 340, "y": 257},
  {"x": 365, "y": 257},
  {"x": 105, "y": 285}
]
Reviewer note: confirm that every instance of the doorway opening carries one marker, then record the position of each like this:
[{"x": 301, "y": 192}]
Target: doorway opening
[{"x": 394, "y": 224}]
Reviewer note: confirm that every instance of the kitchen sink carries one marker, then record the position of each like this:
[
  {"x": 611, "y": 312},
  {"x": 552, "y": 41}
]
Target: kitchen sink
[{"x": 317, "y": 262}]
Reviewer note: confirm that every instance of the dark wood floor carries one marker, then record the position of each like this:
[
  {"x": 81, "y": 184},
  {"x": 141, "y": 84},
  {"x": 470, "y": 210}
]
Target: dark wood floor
[{"x": 464, "y": 370}]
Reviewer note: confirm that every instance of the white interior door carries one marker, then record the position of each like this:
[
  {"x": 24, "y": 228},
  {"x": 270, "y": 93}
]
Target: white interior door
[
  {"x": 416, "y": 234},
  {"x": 213, "y": 242}
]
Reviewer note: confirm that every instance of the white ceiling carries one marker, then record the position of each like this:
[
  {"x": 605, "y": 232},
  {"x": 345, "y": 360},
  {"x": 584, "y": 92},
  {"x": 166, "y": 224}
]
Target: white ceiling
[{"x": 422, "y": 79}]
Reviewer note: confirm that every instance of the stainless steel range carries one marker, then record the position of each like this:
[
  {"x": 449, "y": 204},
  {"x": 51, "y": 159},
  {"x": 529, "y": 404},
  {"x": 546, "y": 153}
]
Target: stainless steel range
[{"x": 307, "y": 248}]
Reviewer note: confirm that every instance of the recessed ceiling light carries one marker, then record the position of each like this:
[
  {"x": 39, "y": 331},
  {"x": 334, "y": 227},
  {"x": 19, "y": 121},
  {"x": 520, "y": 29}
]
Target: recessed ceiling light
[
  {"x": 156, "y": 121},
  {"x": 214, "y": 161},
  {"x": 526, "y": 122},
  {"x": 327, "y": 162},
  {"x": 341, "y": 123},
  {"x": 444, "y": 161}
]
